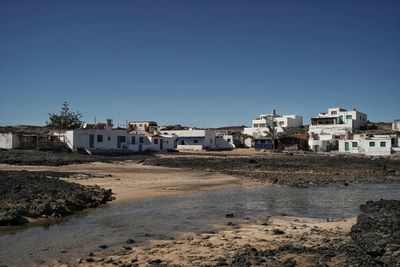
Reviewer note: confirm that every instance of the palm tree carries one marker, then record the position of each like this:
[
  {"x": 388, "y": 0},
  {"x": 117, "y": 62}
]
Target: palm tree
[{"x": 272, "y": 132}]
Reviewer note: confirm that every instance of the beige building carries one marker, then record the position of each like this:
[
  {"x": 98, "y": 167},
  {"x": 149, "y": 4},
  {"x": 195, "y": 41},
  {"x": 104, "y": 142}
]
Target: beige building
[{"x": 143, "y": 126}]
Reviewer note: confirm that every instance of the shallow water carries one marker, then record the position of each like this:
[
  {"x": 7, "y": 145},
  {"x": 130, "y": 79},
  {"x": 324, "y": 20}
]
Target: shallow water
[{"x": 162, "y": 218}]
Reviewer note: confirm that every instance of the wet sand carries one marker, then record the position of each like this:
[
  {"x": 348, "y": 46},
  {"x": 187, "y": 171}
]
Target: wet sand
[
  {"x": 300, "y": 238},
  {"x": 133, "y": 181}
]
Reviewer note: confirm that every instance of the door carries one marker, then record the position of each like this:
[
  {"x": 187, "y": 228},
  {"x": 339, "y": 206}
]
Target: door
[
  {"x": 91, "y": 141},
  {"x": 120, "y": 139},
  {"x": 161, "y": 144},
  {"x": 346, "y": 146}
]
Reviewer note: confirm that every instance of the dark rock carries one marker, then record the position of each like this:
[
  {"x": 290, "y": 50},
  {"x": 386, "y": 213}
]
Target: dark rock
[
  {"x": 127, "y": 247},
  {"x": 289, "y": 263},
  {"x": 130, "y": 241},
  {"x": 229, "y": 215},
  {"x": 35, "y": 195},
  {"x": 103, "y": 246},
  {"x": 377, "y": 231},
  {"x": 155, "y": 262},
  {"x": 278, "y": 231}
]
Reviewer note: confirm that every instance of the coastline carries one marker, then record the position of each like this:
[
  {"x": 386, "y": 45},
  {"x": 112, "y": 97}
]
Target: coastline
[
  {"x": 300, "y": 241},
  {"x": 134, "y": 181}
]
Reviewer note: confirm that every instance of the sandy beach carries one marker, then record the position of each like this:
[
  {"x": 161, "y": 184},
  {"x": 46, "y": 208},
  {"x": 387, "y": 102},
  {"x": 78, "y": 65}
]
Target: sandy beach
[
  {"x": 270, "y": 241},
  {"x": 132, "y": 181},
  {"x": 295, "y": 241}
]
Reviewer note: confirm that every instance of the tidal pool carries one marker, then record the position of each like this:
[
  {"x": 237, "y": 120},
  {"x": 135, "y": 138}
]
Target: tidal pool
[{"x": 161, "y": 218}]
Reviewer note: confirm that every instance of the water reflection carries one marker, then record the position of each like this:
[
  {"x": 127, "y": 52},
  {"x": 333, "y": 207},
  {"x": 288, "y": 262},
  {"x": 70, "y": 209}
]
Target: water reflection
[{"x": 159, "y": 218}]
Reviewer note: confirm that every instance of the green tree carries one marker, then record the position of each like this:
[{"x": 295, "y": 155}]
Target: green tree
[
  {"x": 66, "y": 120},
  {"x": 272, "y": 131}
]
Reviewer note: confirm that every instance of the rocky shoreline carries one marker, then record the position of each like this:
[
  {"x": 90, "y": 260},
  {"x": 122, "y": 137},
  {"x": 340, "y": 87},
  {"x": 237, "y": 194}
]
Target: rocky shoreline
[
  {"x": 49, "y": 158},
  {"x": 38, "y": 195},
  {"x": 276, "y": 241},
  {"x": 293, "y": 170}
]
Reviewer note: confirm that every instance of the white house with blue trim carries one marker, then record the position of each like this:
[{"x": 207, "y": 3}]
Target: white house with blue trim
[{"x": 193, "y": 139}]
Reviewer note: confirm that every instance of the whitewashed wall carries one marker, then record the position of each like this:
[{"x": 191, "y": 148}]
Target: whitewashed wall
[
  {"x": 80, "y": 138},
  {"x": 248, "y": 142},
  {"x": 206, "y": 140},
  {"x": 363, "y": 146},
  {"x": 9, "y": 140},
  {"x": 223, "y": 143},
  {"x": 320, "y": 140},
  {"x": 189, "y": 147}
]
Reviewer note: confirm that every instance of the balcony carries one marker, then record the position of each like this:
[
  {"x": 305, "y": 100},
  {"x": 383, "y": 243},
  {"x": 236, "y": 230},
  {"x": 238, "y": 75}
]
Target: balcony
[{"x": 326, "y": 121}]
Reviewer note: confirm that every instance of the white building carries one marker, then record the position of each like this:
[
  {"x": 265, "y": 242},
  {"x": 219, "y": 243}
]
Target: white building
[
  {"x": 259, "y": 124},
  {"x": 377, "y": 145},
  {"x": 193, "y": 139},
  {"x": 9, "y": 140},
  {"x": 396, "y": 125},
  {"x": 225, "y": 141},
  {"x": 108, "y": 139},
  {"x": 327, "y": 126},
  {"x": 161, "y": 142}
]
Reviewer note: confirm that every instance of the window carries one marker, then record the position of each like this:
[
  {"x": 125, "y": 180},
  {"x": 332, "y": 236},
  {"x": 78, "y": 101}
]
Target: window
[
  {"x": 141, "y": 140},
  {"x": 195, "y": 141},
  {"x": 281, "y": 122},
  {"x": 333, "y": 112},
  {"x": 109, "y": 138},
  {"x": 133, "y": 140},
  {"x": 371, "y": 144},
  {"x": 123, "y": 139},
  {"x": 355, "y": 144},
  {"x": 156, "y": 141},
  {"x": 349, "y": 117},
  {"x": 383, "y": 144},
  {"x": 99, "y": 138},
  {"x": 228, "y": 140},
  {"x": 211, "y": 141},
  {"x": 262, "y": 141}
]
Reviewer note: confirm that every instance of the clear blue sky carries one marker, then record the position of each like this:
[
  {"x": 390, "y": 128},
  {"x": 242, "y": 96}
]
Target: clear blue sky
[{"x": 199, "y": 63}]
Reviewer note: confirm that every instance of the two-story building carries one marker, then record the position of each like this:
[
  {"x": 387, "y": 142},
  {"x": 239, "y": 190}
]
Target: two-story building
[
  {"x": 260, "y": 124},
  {"x": 326, "y": 128}
]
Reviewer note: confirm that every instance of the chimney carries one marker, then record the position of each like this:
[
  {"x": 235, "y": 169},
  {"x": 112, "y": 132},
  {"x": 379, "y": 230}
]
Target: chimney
[
  {"x": 274, "y": 112},
  {"x": 109, "y": 124}
]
